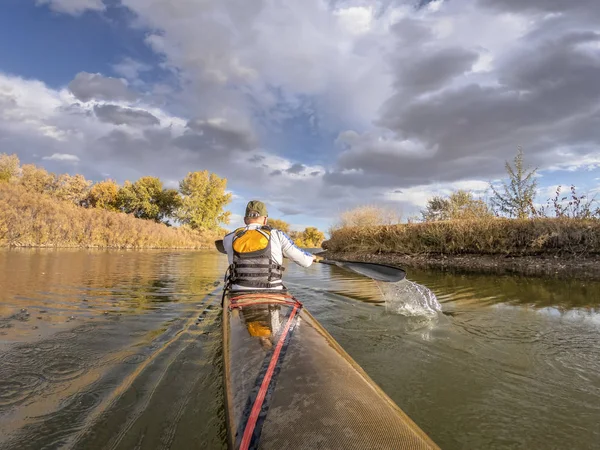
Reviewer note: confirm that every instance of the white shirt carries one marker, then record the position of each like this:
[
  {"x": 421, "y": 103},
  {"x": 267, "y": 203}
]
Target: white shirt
[{"x": 281, "y": 245}]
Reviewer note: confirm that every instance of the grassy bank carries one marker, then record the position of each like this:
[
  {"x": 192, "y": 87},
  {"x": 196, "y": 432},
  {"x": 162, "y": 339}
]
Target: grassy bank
[
  {"x": 37, "y": 220},
  {"x": 493, "y": 236}
]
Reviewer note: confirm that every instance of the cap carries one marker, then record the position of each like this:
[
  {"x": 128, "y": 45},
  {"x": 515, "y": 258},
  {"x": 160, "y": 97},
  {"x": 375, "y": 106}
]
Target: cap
[{"x": 256, "y": 209}]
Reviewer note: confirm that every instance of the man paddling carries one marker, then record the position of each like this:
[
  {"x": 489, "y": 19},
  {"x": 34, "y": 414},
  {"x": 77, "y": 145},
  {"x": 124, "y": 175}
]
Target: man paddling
[{"x": 255, "y": 252}]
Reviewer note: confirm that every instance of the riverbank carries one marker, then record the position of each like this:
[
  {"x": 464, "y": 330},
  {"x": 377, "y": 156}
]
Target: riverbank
[
  {"x": 29, "y": 219},
  {"x": 541, "y": 246},
  {"x": 580, "y": 267}
]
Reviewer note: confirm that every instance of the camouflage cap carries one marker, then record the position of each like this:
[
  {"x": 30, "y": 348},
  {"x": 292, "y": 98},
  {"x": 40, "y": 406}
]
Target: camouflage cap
[{"x": 256, "y": 208}]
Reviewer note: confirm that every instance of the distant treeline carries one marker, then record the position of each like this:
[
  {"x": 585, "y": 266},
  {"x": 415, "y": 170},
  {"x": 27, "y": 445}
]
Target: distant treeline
[
  {"x": 39, "y": 208},
  {"x": 198, "y": 202}
]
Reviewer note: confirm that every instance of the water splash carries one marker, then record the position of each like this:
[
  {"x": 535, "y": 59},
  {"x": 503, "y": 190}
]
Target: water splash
[{"x": 410, "y": 299}]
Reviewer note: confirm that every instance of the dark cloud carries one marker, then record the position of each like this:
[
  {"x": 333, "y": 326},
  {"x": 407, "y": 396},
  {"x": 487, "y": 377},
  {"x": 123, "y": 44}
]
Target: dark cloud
[
  {"x": 591, "y": 7},
  {"x": 87, "y": 86},
  {"x": 296, "y": 168},
  {"x": 124, "y": 116},
  {"x": 315, "y": 173},
  {"x": 219, "y": 136},
  {"x": 276, "y": 173},
  {"x": 257, "y": 159},
  {"x": 289, "y": 211},
  {"x": 546, "y": 97},
  {"x": 433, "y": 70}
]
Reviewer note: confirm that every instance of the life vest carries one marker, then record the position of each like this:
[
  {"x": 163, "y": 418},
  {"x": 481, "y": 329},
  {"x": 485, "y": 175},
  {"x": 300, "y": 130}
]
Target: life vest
[{"x": 252, "y": 264}]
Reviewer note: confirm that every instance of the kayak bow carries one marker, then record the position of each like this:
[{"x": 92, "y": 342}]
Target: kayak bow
[{"x": 289, "y": 384}]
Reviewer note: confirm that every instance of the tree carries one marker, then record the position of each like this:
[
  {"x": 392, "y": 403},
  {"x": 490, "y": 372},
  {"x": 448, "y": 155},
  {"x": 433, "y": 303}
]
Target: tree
[
  {"x": 279, "y": 225},
  {"x": 71, "y": 188},
  {"x": 104, "y": 195},
  {"x": 203, "y": 198},
  {"x": 459, "y": 205},
  {"x": 9, "y": 167},
  {"x": 311, "y": 237},
  {"x": 37, "y": 179},
  {"x": 146, "y": 199},
  {"x": 368, "y": 216},
  {"x": 516, "y": 198}
]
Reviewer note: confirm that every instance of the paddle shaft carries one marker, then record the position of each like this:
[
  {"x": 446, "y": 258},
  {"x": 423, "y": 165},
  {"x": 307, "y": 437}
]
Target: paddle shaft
[{"x": 379, "y": 272}]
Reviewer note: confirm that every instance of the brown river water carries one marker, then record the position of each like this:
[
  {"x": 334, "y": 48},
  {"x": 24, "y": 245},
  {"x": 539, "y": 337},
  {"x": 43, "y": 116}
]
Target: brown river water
[{"x": 122, "y": 350}]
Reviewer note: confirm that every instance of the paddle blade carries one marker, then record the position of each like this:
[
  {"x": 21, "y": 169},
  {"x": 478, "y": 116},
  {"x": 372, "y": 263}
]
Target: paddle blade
[
  {"x": 379, "y": 272},
  {"x": 219, "y": 245}
]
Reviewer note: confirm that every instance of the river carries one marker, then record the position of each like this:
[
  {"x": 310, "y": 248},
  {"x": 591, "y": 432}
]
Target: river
[{"x": 122, "y": 350}]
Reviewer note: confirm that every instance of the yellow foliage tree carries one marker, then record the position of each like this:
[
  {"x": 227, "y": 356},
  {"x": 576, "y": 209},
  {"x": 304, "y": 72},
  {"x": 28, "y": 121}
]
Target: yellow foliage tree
[
  {"x": 37, "y": 179},
  {"x": 279, "y": 224},
  {"x": 104, "y": 195},
  {"x": 311, "y": 237},
  {"x": 72, "y": 188},
  {"x": 203, "y": 198},
  {"x": 368, "y": 216},
  {"x": 9, "y": 167}
]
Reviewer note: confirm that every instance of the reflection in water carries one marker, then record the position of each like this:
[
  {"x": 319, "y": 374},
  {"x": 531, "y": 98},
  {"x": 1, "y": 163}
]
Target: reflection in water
[{"x": 122, "y": 350}]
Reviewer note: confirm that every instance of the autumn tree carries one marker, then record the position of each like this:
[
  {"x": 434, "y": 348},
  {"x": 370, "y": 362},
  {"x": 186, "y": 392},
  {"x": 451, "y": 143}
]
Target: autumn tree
[
  {"x": 71, "y": 188},
  {"x": 147, "y": 199},
  {"x": 515, "y": 198},
  {"x": 203, "y": 198},
  {"x": 104, "y": 195},
  {"x": 9, "y": 167},
  {"x": 311, "y": 237},
  {"x": 458, "y": 205},
  {"x": 279, "y": 224},
  {"x": 368, "y": 216},
  {"x": 37, "y": 179}
]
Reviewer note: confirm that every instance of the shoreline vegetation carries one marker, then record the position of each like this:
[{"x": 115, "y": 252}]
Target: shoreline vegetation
[
  {"x": 508, "y": 233},
  {"x": 38, "y": 220},
  {"x": 45, "y": 210},
  {"x": 551, "y": 246}
]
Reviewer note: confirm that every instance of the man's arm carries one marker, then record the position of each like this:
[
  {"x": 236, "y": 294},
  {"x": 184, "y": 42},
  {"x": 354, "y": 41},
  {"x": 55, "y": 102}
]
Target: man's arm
[
  {"x": 291, "y": 251},
  {"x": 228, "y": 244}
]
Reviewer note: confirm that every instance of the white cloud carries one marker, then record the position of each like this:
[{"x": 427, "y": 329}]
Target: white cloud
[
  {"x": 74, "y": 7},
  {"x": 62, "y": 157},
  {"x": 130, "y": 68}
]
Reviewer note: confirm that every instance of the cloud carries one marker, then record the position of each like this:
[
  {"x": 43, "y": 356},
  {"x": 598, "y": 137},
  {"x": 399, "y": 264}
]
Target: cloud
[
  {"x": 289, "y": 211},
  {"x": 130, "y": 68},
  {"x": 296, "y": 168},
  {"x": 73, "y": 7},
  {"x": 542, "y": 93},
  {"x": 394, "y": 98},
  {"x": 87, "y": 86},
  {"x": 124, "y": 116},
  {"x": 257, "y": 159},
  {"x": 62, "y": 157}
]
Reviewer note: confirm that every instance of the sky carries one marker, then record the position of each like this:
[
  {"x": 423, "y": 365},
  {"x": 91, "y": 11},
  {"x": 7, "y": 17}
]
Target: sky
[{"x": 313, "y": 106}]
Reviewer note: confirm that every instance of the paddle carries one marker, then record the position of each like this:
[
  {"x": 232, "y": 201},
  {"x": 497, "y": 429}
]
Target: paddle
[{"x": 379, "y": 272}]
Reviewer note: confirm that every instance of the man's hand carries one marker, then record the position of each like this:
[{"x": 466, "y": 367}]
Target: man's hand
[{"x": 317, "y": 258}]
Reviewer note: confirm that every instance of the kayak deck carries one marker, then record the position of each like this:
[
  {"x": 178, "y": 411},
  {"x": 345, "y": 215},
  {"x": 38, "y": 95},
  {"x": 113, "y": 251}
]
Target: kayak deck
[{"x": 290, "y": 385}]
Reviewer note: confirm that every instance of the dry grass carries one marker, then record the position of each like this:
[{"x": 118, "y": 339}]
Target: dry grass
[
  {"x": 493, "y": 236},
  {"x": 37, "y": 220}
]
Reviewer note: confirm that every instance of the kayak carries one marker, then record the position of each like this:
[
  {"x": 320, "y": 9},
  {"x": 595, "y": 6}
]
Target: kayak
[{"x": 289, "y": 384}]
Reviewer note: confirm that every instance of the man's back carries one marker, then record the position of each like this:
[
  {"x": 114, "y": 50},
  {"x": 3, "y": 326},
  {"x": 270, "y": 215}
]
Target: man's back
[{"x": 280, "y": 245}]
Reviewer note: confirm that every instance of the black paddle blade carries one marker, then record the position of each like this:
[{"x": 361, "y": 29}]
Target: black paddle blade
[
  {"x": 219, "y": 245},
  {"x": 379, "y": 272}
]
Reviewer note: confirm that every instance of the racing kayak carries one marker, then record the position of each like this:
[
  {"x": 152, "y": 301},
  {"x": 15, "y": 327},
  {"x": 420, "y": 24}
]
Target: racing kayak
[{"x": 289, "y": 384}]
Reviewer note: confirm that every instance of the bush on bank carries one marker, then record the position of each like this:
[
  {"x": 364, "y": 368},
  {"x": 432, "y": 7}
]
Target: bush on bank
[
  {"x": 491, "y": 236},
  {"x": 29, "y": 219}
]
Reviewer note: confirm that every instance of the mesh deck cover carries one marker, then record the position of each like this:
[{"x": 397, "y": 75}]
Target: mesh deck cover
[{"x": 322, "y": 398}]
